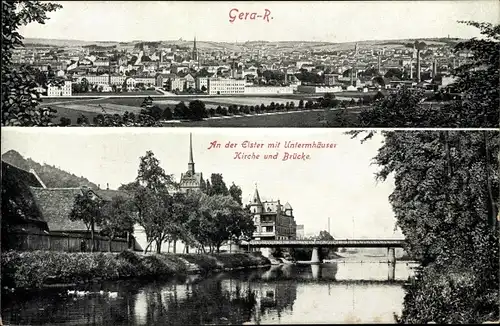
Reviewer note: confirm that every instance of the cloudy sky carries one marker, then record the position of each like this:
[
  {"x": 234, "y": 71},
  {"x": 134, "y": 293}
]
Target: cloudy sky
[
  {"x": 335, "y": 183},
  {"x": 332, "y": 21}
]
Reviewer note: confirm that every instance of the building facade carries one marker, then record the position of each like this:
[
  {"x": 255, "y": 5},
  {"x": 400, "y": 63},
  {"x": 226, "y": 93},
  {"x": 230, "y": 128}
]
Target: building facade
[
  {"x": 273, "y": 221},
  {"x": 268, "y": 90},
  {"x": 202, "y": 82},
  {"x": 63, "y": 90},
  {"x": 226, "y": 86}
]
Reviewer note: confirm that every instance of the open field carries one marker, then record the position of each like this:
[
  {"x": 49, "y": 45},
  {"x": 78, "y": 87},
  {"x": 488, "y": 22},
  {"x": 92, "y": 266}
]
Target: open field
[
  {"x": 124, "y": 94},
  {"x": 105, "y": 108},
  {"x": 72, "y": 114}
]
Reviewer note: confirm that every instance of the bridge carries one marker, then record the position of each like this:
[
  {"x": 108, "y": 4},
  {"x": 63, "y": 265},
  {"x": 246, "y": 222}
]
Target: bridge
[
  {"x": 351, "y": 243},
  {"x": 316, "y": 245}
]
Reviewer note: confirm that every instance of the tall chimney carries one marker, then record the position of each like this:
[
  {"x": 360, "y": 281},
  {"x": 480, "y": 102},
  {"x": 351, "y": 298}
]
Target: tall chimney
[
  {"x": 411, "y": 68},
  {"x": 418, "y": 66},
  {"x": 379, "y": 64},
  {"x": 434, "y": 68},
  {"x": 107, "y": 186}
]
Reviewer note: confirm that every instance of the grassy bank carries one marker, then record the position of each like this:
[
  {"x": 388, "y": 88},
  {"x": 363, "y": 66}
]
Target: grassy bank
[{"x": 37, "y": 269}]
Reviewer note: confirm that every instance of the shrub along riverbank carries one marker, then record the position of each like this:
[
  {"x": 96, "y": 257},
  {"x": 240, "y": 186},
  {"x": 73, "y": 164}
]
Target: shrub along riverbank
[{"x": 38, "y": 269}]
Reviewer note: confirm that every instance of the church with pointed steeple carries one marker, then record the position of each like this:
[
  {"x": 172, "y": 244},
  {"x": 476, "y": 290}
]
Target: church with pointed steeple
[
  {"x": 273, "y": 221},
  {"x": 194, "y": 55},
  {"x": 191, "y": 181}
]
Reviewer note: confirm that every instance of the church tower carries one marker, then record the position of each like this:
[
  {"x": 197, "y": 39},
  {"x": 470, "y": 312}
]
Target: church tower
[
  {"x": 191, "y": 161},
  {"x": 194, "y": 55},
  {"x": 191, "y": 181}
]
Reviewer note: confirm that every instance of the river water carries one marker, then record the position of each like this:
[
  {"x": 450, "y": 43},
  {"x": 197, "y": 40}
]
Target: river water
[{"x": 341, "y": 292}]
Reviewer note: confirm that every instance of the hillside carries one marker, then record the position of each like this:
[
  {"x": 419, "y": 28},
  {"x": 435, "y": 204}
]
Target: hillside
[
  {"x": 283, "y": 45},
  {"x": 51, "y": 176}
]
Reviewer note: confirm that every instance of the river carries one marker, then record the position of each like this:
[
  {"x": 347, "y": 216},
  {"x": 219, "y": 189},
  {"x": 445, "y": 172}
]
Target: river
[{"x": 346, "y": 291}]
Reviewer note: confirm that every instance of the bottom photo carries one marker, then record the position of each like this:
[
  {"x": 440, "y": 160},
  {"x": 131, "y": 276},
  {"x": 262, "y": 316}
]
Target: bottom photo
[{"x": 194, "y": 226}]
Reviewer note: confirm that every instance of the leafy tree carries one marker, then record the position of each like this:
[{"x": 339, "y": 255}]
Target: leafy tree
[
  {"x": 148, "y": 102},
  {"x": 378, "y": 96},
  {"x": 152, "y": 200},
  {"x": 65, "y": 122},
  {"x": 301, "y": 104},
  {"x": 446, "y": 204},
  {"x": 218, "y": 186},
  {"x": 208, "y": 187},
  {"x": 402, "y": 109},
  {"x": 223, "y": 219},
  {"x": 154, "y": 111},
  {"x": 118, "y": 218},
  {"x": 236, "y": 193},
  {"x": 87, "y": 208},
  {"x": 82, "y": 120},
  {"x": 84, "y": 85},
  {"x": 197, "y": 110},
  {"x": 19, "y": 97},
  {"x": 324, "y": 235},
  {"x": 184, "y": 208},
  {"x": 167, "y": 114},
  {"x": 181, "y": 110},
  {"x": 478, "y": 80},
  {"x": 151, "y": 175}
]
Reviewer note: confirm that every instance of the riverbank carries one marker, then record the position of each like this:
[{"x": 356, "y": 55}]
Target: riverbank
[{"x": 41, "y": 269}]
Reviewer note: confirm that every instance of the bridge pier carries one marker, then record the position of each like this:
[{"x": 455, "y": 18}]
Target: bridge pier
[
  {"x": 315, "y": 258},
  {"x": 316, "y": 271},
  {"x": 391, "y": 264},
  {"x": 266, "y": 252},
  {"x": 391, "y": 255}
]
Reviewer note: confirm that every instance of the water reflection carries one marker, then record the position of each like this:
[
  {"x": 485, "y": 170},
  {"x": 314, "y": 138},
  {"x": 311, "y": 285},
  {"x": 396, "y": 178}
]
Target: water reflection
[{"x": 329, "y": 293}]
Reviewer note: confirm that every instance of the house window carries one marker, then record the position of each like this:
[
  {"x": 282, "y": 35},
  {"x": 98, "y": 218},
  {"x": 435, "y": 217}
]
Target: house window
[{"x": 268, "y": 229}]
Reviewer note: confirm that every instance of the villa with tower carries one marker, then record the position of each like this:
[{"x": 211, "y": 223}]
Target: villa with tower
[{"x": 273, "y": 221}]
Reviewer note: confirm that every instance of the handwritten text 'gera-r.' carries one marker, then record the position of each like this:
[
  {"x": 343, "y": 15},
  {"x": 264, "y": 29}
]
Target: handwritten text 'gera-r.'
[{"x": 236, "y": 14}]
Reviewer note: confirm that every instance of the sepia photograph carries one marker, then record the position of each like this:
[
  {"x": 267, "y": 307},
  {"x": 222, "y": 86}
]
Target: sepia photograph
[
  {"x": 211, "y": 226},
  {"x": 383, "y": 64}
]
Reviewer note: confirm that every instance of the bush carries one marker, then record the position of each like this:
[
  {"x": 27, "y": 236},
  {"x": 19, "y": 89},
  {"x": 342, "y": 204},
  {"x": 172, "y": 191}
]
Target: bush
[
  {"x": 34, "y": 269},
  {"x": 439, "y": 294}
]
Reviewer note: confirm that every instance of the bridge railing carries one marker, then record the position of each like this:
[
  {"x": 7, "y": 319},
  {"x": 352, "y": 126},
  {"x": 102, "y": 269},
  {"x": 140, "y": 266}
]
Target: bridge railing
[{"x": 339, "y": 243}]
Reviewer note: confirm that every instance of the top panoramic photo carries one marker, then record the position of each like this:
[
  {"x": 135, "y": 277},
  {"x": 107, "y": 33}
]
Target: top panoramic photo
[{"x": 374, "y": 64}]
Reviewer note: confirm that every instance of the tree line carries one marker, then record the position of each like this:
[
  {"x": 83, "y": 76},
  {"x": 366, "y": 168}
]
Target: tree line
[
  {"x": 151, "y": 114},
  {"x": 201, "y": 219}
]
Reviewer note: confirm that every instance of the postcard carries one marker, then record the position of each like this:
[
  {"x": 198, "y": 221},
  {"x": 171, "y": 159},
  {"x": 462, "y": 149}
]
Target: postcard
[{"x": 270, "y": 162}]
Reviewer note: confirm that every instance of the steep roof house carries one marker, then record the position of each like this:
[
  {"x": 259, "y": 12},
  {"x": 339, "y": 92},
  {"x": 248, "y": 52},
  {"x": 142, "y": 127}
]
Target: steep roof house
[
  {"x": 19, "y": 209},
  {"x": 55, "y": 205},
  {"x": 27, "y": 205}
]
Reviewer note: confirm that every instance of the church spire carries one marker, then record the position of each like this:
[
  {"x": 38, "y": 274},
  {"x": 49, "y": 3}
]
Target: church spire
[
  {"x": 191, "y": 161},
  {"x": 195, "y": 51}
]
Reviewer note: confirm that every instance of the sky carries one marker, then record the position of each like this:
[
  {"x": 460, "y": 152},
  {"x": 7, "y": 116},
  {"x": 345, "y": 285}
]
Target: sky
[
  {"x": 334, "y": 183},
  {"x": 329, "y": 21}
]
